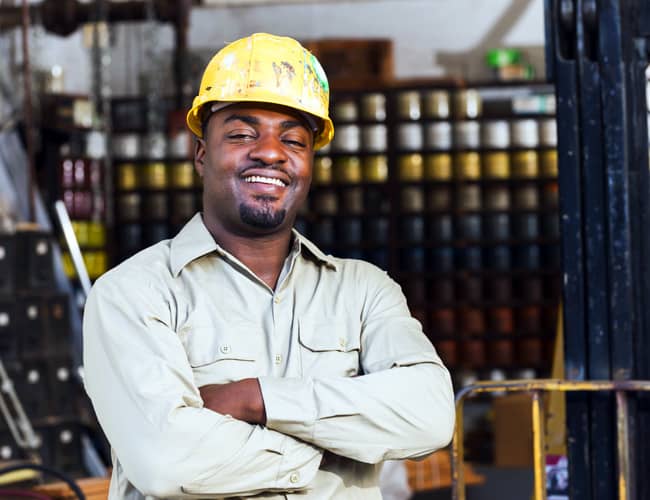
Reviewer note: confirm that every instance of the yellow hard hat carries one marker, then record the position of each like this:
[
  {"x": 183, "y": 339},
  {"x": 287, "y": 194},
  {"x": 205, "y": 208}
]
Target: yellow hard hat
[{"x": 270, "y": 69}]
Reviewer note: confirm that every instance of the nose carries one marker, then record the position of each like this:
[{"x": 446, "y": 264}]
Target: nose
[{"x": 269, "y": 150}]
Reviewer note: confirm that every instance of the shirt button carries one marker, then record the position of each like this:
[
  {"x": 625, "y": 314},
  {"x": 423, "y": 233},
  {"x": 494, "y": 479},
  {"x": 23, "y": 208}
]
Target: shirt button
[
  {"x": 276, "y": 299},
  {"x": 294, "y": 477},
  {"x": 342, "y": 342},
  {"x": 225, "y": 349},
  {"x": 278, "y": 359}
]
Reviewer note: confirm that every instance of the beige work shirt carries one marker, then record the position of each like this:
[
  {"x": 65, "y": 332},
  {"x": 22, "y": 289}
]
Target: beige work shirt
[{"x": 342, "y": 366}]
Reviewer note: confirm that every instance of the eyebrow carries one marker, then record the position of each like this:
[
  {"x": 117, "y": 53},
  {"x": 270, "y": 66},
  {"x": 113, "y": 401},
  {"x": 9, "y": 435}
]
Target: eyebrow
[{"x": 251, "y": 120}]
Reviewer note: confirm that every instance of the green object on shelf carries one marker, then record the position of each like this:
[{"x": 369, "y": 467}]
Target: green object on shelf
[{"x": 497, "y": 58}]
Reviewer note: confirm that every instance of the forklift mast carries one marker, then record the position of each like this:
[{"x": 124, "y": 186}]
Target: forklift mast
[{"x": 597, "y": 52}]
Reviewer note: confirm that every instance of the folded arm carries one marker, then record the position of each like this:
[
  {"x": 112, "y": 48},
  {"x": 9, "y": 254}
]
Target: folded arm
[{"x": 169, "y": 445}]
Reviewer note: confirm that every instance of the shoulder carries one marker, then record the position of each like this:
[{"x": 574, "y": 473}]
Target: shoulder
[
  {"x": 362, "y": 273},
  {"x": 147, "y": 269}
]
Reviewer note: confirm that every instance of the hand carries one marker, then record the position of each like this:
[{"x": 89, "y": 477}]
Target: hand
[{"x": 241, "y": 400}]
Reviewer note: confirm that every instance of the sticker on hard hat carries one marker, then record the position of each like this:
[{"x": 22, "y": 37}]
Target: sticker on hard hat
[{"x": 320, "y": 73}]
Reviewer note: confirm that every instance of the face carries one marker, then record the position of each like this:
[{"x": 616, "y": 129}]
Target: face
[{"x": 256, "y": 163}]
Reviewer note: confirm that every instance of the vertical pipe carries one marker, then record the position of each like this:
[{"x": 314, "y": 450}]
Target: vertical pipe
[
  {"x": 539, "y": 447},
  {"x": 457, "y": 457},
  {"x": 623, "y": 449},
  {"x": 27, "y": 100}
]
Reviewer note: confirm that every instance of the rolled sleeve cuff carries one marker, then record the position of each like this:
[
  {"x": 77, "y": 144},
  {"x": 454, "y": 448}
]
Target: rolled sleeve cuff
[{"x": 290, "y": 406}]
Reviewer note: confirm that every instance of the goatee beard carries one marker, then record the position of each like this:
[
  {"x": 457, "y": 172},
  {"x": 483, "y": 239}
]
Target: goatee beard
[{"x": 263, "y": 217}]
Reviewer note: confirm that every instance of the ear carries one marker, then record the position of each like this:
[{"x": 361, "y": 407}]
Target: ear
[{"x": 199, "y": 156}]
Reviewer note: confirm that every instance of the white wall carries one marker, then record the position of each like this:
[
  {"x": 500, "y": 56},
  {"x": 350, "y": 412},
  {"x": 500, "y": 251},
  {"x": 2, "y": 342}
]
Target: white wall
[{"x": 431, "y": 37}]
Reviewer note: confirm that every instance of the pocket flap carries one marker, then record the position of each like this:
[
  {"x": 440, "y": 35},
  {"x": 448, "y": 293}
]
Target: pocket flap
[
  {"x": 329, "y": 334},
  {"x": 206, "y": 345}
]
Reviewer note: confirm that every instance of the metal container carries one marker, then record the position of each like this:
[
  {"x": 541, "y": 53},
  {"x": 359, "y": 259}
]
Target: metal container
[
  {"x": 550, "y": 226},
  {"x": 498, "y": 258},
  {"x": 497, "y": 226},
  {"x": 529, "y": 319},
  {"x": 468, "y": 197},
  {"x": 439, "y": 198},
  {"x": 409, "y": 136},
  {"x": 325, "y": 202},
  {"x": 467, "y": 104},
  {"x": 127, "y": 176},
  {"x": 527, "y": 257},
  {"x": 438, "y": 136},
  {"x": 473, "y": 353},
  {"x": 347, "y": 139},
  {"x": 412, "y": 199},
  {"x": 154, "y": 176},
  {"x": 443, "y": 322},
  {"x": 375, "y": 138},
  {"x": 438, "y": 167},
  {"x": 467, "y": 166},
  {"x": 96, "y": 234},
  {"x": 345, "y": 110},
  {"x": 443, "y": 291},
  {"x": 373, "y": 107},
  {"x": 548, "y": 133},
  {"x": 500, "y": 320},
  {"x": 499, "y": 288},
  {"x": 524, "y": 133},
  {"x": 156, "y": 146},
  {"x": 529, "y": 351},
  {"x": 131, "y": 239},
  {"x": 375, "y": 168},
  {"x": 128, "y": 206},
  {"x": 530, "y": 289},
  {"x": 412, "y": 228},
  {"x": 349, "y": 230},
  {"x": 376, "y": 200},
  {"x": 156, "y": 206},
  {"x": 413, "y": 259},
  {"x": 322, "y": 172},
  {"x": 495, "y": 134},
  {"x": 470, "y": 288},
  {"x": 183, "y": 205},
  {"x": 467, "y": 135},
  {"x": 526, "y": 197},
  {"x": 125, "y": 146},
  {"x": 441, "y": 228},
  {"x": 469, "y": 227},
  {"x": 442, "y": 259},
  {"x": 376, "y": 230},
  {"x": 347, "y": 169},
  {"x": 496, "y": 165},
  {"x": 410, "y": 167},
  {"x": 447, "y": 350},
  {"x": 501, "y": 352},
  {"x": 472, "y": 321},
  {"x": 351, "y": 200},
  {"x": 436, "y": 104},
  {"x": 182, "y": 175},
  {"x": 524, "y": 164},
  {"x": 180, "y": 144},
  {"x": 548, "y": 163},
  {"x": 496, "y": 198},
  {"x": 153, "y": 233},
  {"x": 526, "y": 226},
  {"x": 470, "y": 258},
  {"x": 409, "y": 106},
  {"x": 323, "y": 232}
]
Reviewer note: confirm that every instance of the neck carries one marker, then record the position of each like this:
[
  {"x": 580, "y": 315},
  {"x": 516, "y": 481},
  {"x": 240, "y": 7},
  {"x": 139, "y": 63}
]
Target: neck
[{"x": 263, "y": 254}]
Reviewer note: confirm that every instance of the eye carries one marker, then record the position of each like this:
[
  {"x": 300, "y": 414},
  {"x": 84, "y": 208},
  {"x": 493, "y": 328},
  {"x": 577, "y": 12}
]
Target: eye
[{"x": 294, "y": 142}]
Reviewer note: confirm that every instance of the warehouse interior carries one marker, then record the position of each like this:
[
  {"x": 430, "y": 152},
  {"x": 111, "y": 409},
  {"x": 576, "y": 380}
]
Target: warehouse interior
[{"x": 445, "y": 171}]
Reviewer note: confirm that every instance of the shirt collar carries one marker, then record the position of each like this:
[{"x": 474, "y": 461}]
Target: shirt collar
[{"x": 194, "y": 241}]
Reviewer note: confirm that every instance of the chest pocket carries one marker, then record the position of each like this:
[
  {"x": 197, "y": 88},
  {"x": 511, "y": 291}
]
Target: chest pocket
[
  {"x": 220, "y": 355},
  {"x": 329, "y": 347}
]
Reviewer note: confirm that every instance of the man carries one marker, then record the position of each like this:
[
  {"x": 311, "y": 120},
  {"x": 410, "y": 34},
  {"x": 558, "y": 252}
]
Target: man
[{"x": 237, "y": 359}]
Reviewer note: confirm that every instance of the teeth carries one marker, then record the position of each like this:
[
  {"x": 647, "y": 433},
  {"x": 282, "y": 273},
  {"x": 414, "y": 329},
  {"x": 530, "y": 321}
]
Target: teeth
[{"x": 264, "y": 180}]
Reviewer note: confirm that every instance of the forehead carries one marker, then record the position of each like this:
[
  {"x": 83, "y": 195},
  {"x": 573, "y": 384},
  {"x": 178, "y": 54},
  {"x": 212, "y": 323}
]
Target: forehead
[{"x": 262, "y": 113}]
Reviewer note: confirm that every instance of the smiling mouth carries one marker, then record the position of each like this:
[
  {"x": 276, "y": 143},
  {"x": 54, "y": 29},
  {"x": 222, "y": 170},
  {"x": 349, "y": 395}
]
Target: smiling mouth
[{"x": 265, "y": 180}]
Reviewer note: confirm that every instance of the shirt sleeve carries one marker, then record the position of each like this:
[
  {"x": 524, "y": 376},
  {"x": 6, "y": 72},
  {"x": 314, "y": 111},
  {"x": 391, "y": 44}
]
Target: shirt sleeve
[
  {"x": 141, "y": 385},
  {"x": 401, "y": 407}
]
